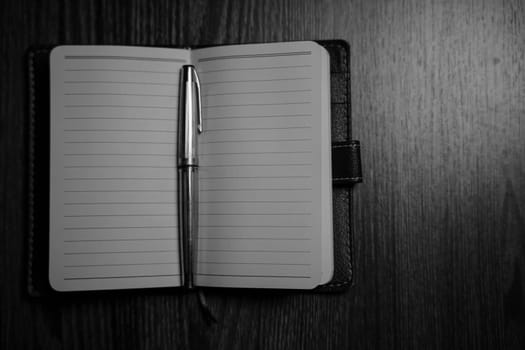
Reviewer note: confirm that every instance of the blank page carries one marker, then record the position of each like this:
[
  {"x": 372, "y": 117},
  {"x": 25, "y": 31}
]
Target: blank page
[
  {"x": 113, "y": 210},
  {"x": 265, "y": 185}
]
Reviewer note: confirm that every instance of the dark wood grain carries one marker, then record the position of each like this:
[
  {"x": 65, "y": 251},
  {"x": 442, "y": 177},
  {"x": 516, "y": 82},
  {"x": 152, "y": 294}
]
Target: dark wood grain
[{"x": 438, "y": 97}]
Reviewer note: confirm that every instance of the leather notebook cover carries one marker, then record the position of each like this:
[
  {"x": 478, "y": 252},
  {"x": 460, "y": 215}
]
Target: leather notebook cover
[{"x": 346, "y": 168}]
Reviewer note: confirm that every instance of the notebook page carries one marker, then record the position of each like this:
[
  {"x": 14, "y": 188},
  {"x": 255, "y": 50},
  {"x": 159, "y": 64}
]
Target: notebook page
[
  {"x": 113, "y": 208},
  {"x": 261, "y": 174}
]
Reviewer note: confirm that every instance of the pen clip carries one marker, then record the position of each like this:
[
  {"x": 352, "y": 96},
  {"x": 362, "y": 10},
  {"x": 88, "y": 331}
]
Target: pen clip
[{"x": 198, "y": 102}]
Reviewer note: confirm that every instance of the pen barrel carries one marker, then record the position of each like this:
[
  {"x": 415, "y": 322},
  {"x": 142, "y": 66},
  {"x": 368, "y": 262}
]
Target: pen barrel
[
  {"x": 189, "y": 117},
  {"x": 188, "y": 203}
]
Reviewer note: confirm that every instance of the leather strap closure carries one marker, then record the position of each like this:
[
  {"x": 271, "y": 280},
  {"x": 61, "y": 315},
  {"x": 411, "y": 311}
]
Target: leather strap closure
[{"x": 346, "y": 163}]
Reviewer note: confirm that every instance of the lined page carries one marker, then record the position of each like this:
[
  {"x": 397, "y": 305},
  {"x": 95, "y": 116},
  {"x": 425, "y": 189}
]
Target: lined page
[
  {"x": 113, "y": 200},
  {"x": 265, "y": 203}
]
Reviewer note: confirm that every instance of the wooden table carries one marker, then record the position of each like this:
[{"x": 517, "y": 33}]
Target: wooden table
[{"x": 438, "y": 98}]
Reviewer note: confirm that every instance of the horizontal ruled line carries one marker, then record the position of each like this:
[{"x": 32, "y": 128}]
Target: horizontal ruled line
[
  {"x": 258, "y": 116},
  {"x": 261, "y": 214},
  {"x": 260, "y": 104},
  {"x": 122, "y": 252},
  {"x": 250, "y": 263},
  {"x": 116, "y": 94},
  {"x": 119, "y": 130},
  {"x": 113, "y": 227},
  {"x": 117, "y": 82},
  {"x": 137, "y": 264},
  {"x": 257, "y": 92},
  {"x": 119, "y": 240},
  {"x": 111, "y": 191},
  {"x": 119, "y": 118},
  {"x": 275, "y": 140},
  {"x": 111, "y": 277},
  {"x": 254, "y": 251},
  {"x": 121, "y": 70},
  {"x": 120, "y": 166},
  {"x": 269, "y": 152},
  {"x": 252, "y": 81},
  {"x": 109, "y": 203},
  {"x": 254, "y": 201},
  {"x": 119, "y": 106},
  {"x": 253, "y": 177},
  {"x": 258, "y": 276},
  {"x": 241, "y": 165},
  {"x": 260, "y": 55},
  {"x": 256, "y": 68},
  {"x": 119, "y": 178},
  {"x": 284, "y": 189},
  {"x": 119, "y": 154},
  {"x": 256, "y": 238},
  {"x": 131, "y": 58},
  {"x": 246, "y": 129},
  {"x": 123, "y": 142},
  {"x": 116, "y": 215},
  {"x": 263, "y": 226}
]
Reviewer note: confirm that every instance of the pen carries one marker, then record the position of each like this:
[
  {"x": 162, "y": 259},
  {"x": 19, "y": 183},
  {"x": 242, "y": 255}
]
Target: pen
[{"x": 189, "y": 126}]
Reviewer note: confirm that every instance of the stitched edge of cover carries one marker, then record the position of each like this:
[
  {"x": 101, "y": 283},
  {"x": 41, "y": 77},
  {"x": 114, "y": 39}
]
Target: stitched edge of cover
[
  {"x": 31, "y": 172},
  {"x": 31, "y": 149}
]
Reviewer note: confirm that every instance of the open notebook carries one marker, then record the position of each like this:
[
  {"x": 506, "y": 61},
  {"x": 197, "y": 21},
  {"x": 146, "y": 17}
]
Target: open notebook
[{"x": 265, "y": 167}]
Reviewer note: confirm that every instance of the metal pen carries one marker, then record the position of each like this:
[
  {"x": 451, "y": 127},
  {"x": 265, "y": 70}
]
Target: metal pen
[{"x": 189, "y": 126}]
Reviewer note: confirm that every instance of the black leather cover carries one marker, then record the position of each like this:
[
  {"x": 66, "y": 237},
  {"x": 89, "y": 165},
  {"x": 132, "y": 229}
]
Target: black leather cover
[
  {"x": 346, "y": 168},
  {"x": 341, "y": 121}
]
